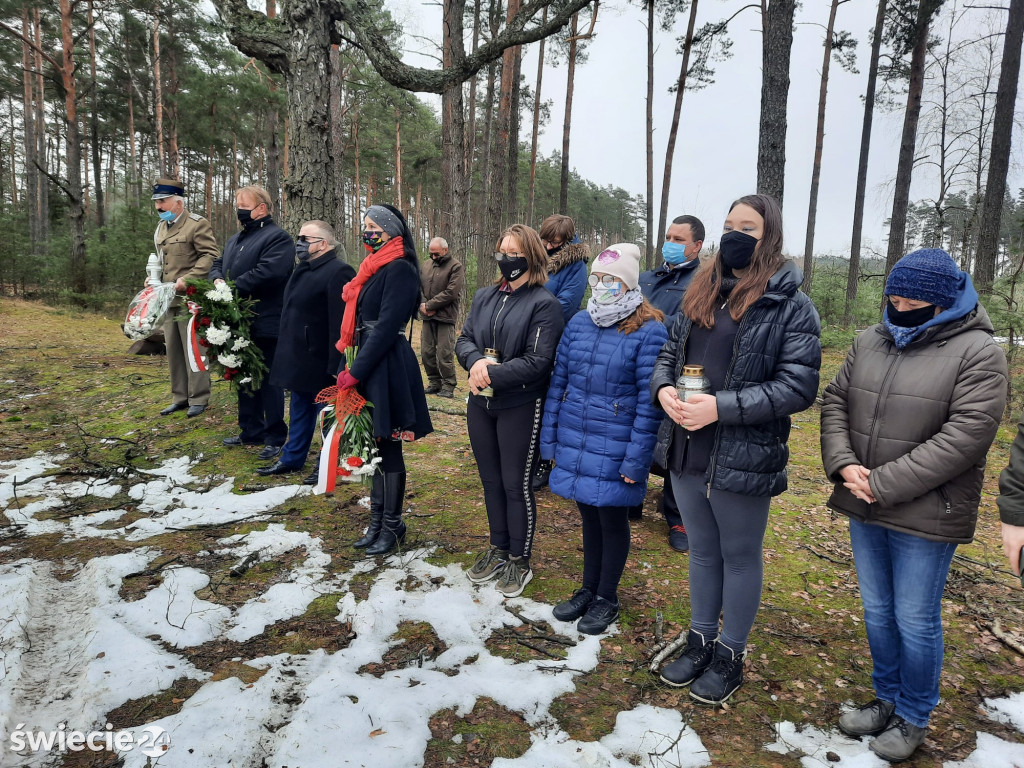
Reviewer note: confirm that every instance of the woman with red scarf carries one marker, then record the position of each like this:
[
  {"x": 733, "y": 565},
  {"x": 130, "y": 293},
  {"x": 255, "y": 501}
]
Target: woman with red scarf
[{"x": 379, "y": 303}]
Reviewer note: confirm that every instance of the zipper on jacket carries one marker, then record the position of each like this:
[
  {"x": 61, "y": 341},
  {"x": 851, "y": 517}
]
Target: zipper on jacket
[
  {"x": 882, "y": 394},
  {"x": 728, "y": 377},
  {"x": 494, "y": 324},
  {"x": 945, "y": 498}
]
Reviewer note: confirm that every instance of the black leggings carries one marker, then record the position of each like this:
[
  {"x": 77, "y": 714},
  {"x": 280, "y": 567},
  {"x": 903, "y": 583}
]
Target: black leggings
[
  {"x": 605, "y": 548},
  {"x": 505, "y": 445}
]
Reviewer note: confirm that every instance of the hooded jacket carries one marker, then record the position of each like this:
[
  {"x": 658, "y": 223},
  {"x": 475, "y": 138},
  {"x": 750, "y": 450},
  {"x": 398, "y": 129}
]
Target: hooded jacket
[
  {"x": 567, "y": 277},
  {"x": 921, "y": 419},
  {"x": 773, "y": 374},
  {"x": 664, "y": 287},
  {"x": 1011, "y": 482}
]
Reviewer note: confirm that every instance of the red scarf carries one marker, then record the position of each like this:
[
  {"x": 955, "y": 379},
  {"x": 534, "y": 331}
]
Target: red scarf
[{"x": 390, "y": 251}]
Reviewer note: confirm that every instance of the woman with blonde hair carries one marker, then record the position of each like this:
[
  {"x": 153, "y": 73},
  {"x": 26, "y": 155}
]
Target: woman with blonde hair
[{"x": 508, "y": 346}]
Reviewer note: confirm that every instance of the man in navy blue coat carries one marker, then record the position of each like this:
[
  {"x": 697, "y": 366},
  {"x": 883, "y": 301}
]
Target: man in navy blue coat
[
  {"x": 664, "y": 288},
  {"x": 259, "y": 260},
  {"x": 307, "y": 359}
]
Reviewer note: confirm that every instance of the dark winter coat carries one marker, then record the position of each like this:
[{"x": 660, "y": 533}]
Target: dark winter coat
[
  {"x": 773, "y": 374},
  {"x": 259, "y": 260},
  {"x": 524, "y": 326},
  {"x": 567, "y": 277},
  {"x": 306, "y": 359},
  {"x": 1011, "y": 482},
  {"x": 599, "y": 422},
  {"x": 386, "y": 367},
  {"x": 664, "y": 287},
  {"x": 922, "y": 420},
  {"x": 444, "y": 282}
]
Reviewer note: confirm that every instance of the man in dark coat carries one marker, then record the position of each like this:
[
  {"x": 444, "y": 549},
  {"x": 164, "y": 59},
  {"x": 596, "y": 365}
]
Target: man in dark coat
[
  {"x": 259, "y": 260},
  {"x": 664, "y": 288},
  {"x": 443, "y": 279},
  {"x": 306, "y": 359}
]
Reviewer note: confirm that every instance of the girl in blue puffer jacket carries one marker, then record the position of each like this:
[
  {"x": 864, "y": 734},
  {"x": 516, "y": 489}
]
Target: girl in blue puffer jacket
[{"x": 600, "y": 426}]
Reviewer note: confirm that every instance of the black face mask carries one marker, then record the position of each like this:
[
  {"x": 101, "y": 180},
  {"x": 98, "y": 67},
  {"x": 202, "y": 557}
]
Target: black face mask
[
  {"x": 244, "y": 216},
  {"x": 513, "y": 268},
  {"x": 737, "y": 249},
  {"x": 302, "y": 250},
  {"x": 556, "y": 249},
  {"x": 910, "y": 318}
]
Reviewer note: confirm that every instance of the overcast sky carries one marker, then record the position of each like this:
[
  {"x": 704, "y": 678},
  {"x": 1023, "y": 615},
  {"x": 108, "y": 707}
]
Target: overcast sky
[{"x": 716, "y": 152}]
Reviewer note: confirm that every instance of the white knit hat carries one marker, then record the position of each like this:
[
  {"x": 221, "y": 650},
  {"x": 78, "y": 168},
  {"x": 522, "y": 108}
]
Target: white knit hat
[{"x": 621, "y": 260}]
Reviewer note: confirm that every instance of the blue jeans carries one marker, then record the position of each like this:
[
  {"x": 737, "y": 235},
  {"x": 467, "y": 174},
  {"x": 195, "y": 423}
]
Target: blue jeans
[
  {"x": 302, "y": 423},
  {"x": 902, "y": 577}
]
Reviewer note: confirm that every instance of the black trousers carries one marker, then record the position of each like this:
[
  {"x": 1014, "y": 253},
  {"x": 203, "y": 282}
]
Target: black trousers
[
  {"x": 605, "y": 548},
  {"x": 261, "y": 414},
  {"x": 506, "y": 446}
]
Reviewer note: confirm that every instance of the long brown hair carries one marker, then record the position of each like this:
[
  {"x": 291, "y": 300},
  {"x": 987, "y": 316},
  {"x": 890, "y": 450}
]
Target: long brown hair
[
  {"x": 702, "y": 296},
  {"x": 646, "y": 311},
  {"x": 532, "y": 249}
]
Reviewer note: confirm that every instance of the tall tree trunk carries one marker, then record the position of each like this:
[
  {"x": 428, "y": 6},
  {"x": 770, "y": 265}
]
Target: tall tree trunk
[
  {"x": 673, "y": 132},
  {"x": 649, "y": 218},
  {"x": 158, "y": 95},
  {"x": 32, "y": 176},
  {"x": 498, "y": 203},
  {"x": 94, "y": 129},
  {"x": 40, "y": 125},
  {"x": 908, "y": 144},
  {"x": 819, "y": 143},
  {"x": 536, "y": 125},
  {"x": 273, "y": 149},
  {"x": 563, "y": 188},
  {"x": 73, "y": 154},
  {"x": 171, "y": 109},
  {"x": 337, "y": 140},
  {"x": 513, "y": 213},
  {"x": 455, "y": 171},
  {"x": 999, "y": 163},
  {"x": 356, "y": 220},
  {"x": 862, "y": 165},
  {"x": 777, "y": 42},
  {"x": 470, "y": 149},
  {"x": 399, "y": 197},
  {"x": 208, "y": 186}
]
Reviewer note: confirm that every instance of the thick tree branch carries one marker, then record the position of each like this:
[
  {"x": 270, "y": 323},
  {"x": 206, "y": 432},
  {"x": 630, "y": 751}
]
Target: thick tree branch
[
  {"x": 255, "y": 34},
  {"x": 359, "y": 17},
  {"x": 59, "y": 182},
  {"x": 30, "y": 43}
]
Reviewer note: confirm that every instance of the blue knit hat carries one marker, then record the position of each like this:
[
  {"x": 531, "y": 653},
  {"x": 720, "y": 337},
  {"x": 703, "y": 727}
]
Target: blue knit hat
[{"x": 929, "y": 274}]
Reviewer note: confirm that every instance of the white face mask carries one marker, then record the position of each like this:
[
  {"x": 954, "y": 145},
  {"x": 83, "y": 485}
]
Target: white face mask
[{"x": 603, "y": 294}]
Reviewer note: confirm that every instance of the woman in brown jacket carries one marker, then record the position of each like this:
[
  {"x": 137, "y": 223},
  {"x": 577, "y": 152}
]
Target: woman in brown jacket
[{"x": 905, "y": 428}]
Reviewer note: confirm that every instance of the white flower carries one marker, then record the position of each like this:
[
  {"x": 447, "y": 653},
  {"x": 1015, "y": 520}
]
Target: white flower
[
  {"x": 220, "y": 293},
  {"x": 246, "y": 380},
  {"x": 218, "y": 335},
  {"x": 240, "y": 344},
  {"x": 228, "y": 361}
]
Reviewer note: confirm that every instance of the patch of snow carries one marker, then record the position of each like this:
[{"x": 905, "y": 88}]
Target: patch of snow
[{"x": 813, "y": 746}]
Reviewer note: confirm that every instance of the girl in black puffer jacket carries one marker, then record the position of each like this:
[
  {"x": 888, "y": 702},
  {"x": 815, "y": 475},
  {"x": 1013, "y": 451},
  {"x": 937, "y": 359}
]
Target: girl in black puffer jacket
[
  {"x": 745, "y": 320},
  {"x": 520, "y": 319}
]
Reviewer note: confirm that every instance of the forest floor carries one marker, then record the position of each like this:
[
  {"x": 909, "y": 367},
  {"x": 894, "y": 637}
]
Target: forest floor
[{"x": 120, "y": 528}]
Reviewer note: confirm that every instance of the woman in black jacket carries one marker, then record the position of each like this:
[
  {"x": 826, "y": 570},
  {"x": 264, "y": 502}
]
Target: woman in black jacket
[
  {"x": 379, "y": 303},
  {"x": 745, "y": 320},
  {"x": 508, "y": 346}
]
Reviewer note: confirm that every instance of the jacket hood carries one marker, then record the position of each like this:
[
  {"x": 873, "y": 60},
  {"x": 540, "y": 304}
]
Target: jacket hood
[
  {"x": 965, "y": 315},
  {"x": 570, "y": 254},
  {"x": 784, "y": 283}
]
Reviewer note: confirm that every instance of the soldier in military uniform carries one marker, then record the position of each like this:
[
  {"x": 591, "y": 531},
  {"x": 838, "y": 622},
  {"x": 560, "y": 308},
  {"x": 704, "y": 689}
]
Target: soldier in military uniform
[{"x": 186, "y": 248}]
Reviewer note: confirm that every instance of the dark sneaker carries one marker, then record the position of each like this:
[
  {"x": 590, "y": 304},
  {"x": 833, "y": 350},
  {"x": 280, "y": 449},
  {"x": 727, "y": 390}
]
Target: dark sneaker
[
  {"x": 575, "y": 606},
  {"x": 514, "y": 577},
  {"x": 869, "y": 720},
  {"x": 899, "y": 741},
  {"x": 694, "y": 660},
  {"x": 677, "y": 538},
  {"x": 487, "y": 565},
  {"x": 433, "y": 389},
  {"x": 721, "y": 679},
  {"x": 446, "y": 392},
  {"x": 599, "y": 616}
]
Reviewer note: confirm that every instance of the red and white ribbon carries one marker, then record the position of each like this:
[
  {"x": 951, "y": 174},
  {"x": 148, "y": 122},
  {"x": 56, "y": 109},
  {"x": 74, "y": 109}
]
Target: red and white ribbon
[
  {"x": 327, "y": 475},
  {"x": 196, "y": 360}
]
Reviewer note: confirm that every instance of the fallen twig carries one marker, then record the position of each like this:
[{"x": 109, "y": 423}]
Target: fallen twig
[
  {"x": 538, "y": 648},
  {"x": 824, "y": 556},
  {"x": 997, "y": 629},
  {"x": 155, "y": 569}
]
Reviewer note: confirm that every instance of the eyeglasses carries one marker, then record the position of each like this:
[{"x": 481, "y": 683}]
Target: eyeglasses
[
  {"x": 552, "y": 243},
  {"x": 308, "y": 239},
  {"x": 608, "y": 281},
  {"x": 499, "y": 256}
]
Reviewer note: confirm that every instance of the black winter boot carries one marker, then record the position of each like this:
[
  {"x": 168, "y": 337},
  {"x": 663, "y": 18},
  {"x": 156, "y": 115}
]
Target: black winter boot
[
  {"x": 376, "y": 512},
  {"x": 721, "y": 679},
  {"x": 392, "y": 529},
  {"x": 700, "y": 649}
]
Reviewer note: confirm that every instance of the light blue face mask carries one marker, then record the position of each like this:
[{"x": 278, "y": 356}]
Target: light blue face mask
[
  {"x": 168, "y": 216},
  {"x": 673, "y": 253},
  {"x": 607, "y": 294}
]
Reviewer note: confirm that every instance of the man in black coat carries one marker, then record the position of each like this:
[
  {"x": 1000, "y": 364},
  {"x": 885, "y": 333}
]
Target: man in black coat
[
  {"x": 259, "y": 260},
  {"x": 664, "y": 288},
  {"x": 307, "y": 360}
]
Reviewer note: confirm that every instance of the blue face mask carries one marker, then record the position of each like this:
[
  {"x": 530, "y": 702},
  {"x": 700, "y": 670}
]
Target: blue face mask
[
  {"x": 673, "y": 253},
  {"x": 168, "y": 216}
]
